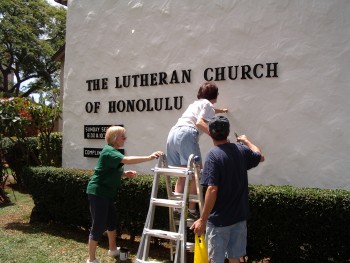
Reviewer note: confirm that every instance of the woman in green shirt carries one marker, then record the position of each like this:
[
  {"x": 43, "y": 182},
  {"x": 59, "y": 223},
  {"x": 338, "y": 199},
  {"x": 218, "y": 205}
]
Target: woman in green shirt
[{"x": 103, "y": 186}]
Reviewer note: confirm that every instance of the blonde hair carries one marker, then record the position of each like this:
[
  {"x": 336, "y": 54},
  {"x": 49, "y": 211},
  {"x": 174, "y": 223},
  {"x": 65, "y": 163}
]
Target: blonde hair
[{"x": 112, "y": 133}]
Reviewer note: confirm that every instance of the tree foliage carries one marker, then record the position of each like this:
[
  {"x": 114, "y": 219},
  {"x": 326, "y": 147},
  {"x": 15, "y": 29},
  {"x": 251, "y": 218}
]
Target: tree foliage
[
  {"x": 31, "y": 31},
  {"x": 21, "y": 118}
]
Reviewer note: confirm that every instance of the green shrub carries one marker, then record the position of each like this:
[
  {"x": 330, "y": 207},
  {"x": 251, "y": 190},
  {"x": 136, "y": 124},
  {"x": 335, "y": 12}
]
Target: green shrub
[
  {"x": 50, "y": 152},
  {"x": 292, "y": 224},
  {"x": 287, "y": 224},
  {"x": 29, "y": 151},
  {"x": 132, "y": 204},
  {"x": 59, "y": 195},
  {"x": 19, "y": 154}
]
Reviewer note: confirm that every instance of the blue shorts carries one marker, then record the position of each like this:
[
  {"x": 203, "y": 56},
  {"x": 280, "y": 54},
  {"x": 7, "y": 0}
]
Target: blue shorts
[
  {"x": 103, "y": 216},
  {"x": 228, "y": 241},
  {"x": 181, "y": 143}
]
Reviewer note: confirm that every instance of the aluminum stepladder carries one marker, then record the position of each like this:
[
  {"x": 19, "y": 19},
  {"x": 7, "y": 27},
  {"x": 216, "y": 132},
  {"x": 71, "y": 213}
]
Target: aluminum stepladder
[{"x": 176, "y": 235}]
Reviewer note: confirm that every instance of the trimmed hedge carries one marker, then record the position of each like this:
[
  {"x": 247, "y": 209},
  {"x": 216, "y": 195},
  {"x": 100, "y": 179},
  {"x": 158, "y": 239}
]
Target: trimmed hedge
[
  {"x": 287, "y": 224},
  {"x": 19, "y": 154},
  {"x": 30, "y": 151},
  {"x": 292, "y": 224},
  {"x": 50, "y": 152},
  {"x": 59, "y": 194}
]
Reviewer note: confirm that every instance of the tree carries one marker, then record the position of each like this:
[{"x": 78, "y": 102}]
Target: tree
[
  {"x": 31, "y": 31},
  {"x": 44, "y": 116},
  {"x": 21, "y": 118}
]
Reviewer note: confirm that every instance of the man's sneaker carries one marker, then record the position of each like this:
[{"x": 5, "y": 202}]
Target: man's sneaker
[
  {"x": 114, "y": 253},
  {"x": 95, "y": 261},
  {"x": 193, "y": 215}
]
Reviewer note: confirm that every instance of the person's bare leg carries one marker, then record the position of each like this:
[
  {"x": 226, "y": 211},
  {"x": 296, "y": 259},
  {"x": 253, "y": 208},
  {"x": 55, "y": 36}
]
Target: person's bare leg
[
  {"x": 92, "y": 249},
  {"x": 112, "y": 243},
  {"x": 179, "y": 186},
  {"x": 233, "y": 260}
]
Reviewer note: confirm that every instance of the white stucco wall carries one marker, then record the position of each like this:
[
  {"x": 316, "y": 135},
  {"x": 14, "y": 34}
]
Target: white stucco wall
[{"x": 299, "y": 119}]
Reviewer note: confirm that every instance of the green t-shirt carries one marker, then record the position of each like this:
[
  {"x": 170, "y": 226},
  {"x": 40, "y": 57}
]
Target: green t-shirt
[{"x": 107, "y": 176}]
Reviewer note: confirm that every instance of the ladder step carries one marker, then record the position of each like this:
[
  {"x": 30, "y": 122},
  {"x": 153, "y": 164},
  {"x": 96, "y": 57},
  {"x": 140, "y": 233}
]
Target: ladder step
[
  {"x": 179, "y": 196},
  {"x": 190, "y": 246},
  {"x": 172, "y": 172},
  {"x": 167, "y": 202},
  {"x": 193, "y": 198},
  {"x": 162, "y": 234},
  {"x": 189, "y": 222},
  {"x": 178, "y": 168}
]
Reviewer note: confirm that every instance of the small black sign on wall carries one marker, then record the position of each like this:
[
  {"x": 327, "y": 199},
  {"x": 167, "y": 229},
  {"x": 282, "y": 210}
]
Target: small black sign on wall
[
  {"x": 96, "y": 131},
  {"x": 95, "y": 152}
]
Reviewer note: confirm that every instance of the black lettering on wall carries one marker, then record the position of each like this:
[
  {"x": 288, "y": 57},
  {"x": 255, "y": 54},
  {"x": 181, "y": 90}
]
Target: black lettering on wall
[
  {"x": 155, "y": 104},
  {"x": 97, "y": 84},
  {"x": 268, "y": 70}
]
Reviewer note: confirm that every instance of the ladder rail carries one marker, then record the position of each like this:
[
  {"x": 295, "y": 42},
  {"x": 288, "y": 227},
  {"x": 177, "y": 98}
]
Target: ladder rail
[
  {"x": 200, "y": 198},
  {"x": 145, "y": 239},
  {"x": 177, "y": 237},
  {"x": 182, "y": 225}
]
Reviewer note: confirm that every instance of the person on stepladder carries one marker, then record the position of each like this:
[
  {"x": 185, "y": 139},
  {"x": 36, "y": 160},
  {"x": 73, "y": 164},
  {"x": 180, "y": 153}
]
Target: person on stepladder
[
  {"x": 183, "y": 138},
  {"x": 103, "y": 186},
  {"x": 226, "y": 209}
]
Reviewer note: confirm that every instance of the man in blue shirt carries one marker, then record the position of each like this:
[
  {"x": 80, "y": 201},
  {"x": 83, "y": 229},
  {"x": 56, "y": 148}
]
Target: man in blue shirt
[{"x": 226, "y": 206}]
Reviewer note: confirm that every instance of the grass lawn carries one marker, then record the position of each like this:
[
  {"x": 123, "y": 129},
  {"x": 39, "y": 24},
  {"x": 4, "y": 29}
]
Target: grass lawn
[
  {"x": 21, "y": 242},
  {"x": 24, "y": 242}
]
